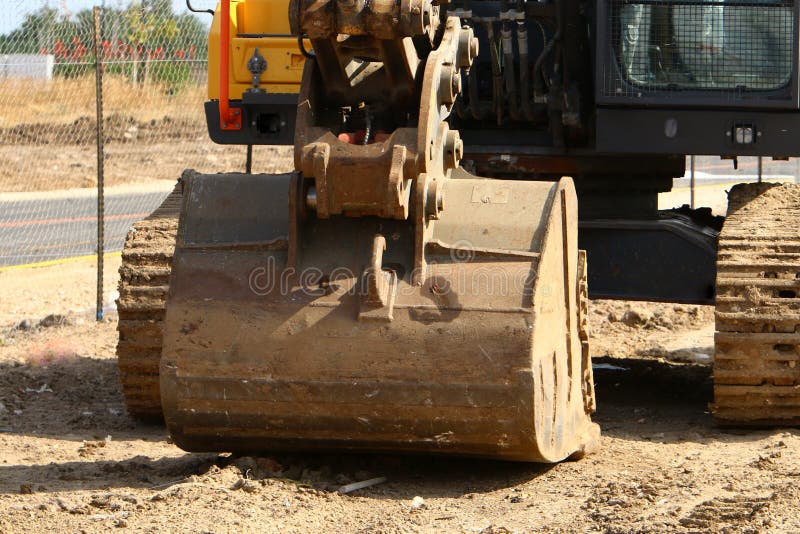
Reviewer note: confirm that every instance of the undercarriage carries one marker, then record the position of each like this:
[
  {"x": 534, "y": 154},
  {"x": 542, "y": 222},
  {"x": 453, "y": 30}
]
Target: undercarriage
[{"x": 419, "y": 283}]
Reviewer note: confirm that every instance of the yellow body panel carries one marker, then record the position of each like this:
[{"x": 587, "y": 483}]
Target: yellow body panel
[{"x": 279, "y": 48}]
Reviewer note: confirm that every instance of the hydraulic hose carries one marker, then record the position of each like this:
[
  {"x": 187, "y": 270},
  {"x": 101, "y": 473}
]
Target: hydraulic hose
[
  {"x": 524, "y": 72},
  {"x": 497, "y": 75},
  {"x": 480, "y": 110},
  {"x": 509, "y": 71}
]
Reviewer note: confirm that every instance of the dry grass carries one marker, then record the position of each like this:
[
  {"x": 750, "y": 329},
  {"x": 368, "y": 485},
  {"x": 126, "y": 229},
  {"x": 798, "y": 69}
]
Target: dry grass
[{"x": 63, "y": 100}]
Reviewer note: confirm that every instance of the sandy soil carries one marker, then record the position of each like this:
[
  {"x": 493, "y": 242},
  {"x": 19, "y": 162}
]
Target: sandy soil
[
  {"x": 136, "y": 152},
  {"x": 74, "y": 166},
  {"x": 73, "y": 461}
]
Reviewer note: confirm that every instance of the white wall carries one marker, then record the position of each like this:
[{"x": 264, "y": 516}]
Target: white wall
[{"x": 37, "y": 66}]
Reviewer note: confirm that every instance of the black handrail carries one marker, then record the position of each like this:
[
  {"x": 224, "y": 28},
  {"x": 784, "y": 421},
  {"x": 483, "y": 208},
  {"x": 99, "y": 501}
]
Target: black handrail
[{"x": 193, "y": 10}]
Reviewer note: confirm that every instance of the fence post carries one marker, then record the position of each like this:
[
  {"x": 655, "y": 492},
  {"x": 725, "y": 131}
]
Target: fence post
[
  {"x": 691, "y": 183},
  {"x": 760, "y": 168},
  {"x": 98, "y": 65}
]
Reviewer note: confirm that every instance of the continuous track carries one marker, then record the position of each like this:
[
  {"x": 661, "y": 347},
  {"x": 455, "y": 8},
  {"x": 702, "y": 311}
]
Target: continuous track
[
  {"x": 143, "y": 287},
  {"x": 757, "y": 364},
  {"x": 583, "y": 331}
]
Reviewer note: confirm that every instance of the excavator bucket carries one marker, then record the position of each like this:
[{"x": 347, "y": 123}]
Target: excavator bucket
[
  {"x": 378, "y": 299},
  {"x": 285, "y": 331}
]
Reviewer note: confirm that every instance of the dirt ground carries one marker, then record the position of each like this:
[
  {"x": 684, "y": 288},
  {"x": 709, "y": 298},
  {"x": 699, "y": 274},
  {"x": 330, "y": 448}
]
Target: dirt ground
[
  {"x": 137, "y": 152},
  {"x": 73, "y": 461},
  {"x": 69, "y": 167}
]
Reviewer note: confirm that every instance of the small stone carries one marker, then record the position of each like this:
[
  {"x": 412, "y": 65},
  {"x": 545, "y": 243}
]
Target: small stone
[
  {"x": 120, "y": 523},
  {"x": 65, "y": 505},
  {"x": 342, "y": 479},
  {"x": 269, "y": 466},
  {"x": 250, "y": 487},
  {"x": 634, "y": 318},
  {"x": 25, "y": 325},
  {"x": 293, "y": 472},
  {"x": 516, "y": 499},
  {"x": 693, "y": 436},
  {"x": 53, "y": 319},
  {"x": 26, "y": 489},
  {"x": 418, "y": 503}
]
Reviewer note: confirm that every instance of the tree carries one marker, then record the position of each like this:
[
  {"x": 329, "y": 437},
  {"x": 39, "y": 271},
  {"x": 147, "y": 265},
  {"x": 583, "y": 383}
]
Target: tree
[
  {"x": 146, "y": 40},
  {"x": 151, "y": 25},
  {"x": 36, "y": 32}
]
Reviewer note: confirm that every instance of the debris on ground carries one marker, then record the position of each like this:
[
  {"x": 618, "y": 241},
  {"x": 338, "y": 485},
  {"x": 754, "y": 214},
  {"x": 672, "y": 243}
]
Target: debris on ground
[
  {"x": 52, "y": 320},
  {"x": 417, "y": 503},
  {"x": 662, "y": 466},
  {"x": 347, "y": 488}
]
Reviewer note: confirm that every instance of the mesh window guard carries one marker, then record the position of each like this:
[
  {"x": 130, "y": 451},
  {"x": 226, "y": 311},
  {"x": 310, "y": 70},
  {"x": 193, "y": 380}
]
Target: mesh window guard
[{"x": 727, "y": 47}]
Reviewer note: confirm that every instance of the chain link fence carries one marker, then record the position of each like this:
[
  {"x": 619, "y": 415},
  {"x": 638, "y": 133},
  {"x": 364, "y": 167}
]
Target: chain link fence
[{"x": 154, "y": 64}]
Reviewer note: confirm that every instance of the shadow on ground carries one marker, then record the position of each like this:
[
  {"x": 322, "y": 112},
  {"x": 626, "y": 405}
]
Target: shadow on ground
[
  {"x": 79, "y": 399},
  {"x": 136, "y": 472},
  {"x": 73, "y": 398},
  {"x": 408, "y": 475},
  {"x": 652, "y": 382}
]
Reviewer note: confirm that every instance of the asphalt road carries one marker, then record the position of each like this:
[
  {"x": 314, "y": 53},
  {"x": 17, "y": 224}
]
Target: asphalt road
[{"x": 48, "y": 226}]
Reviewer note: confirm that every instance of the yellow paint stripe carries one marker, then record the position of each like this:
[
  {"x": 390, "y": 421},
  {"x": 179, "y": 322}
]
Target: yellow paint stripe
[{"x": 60, "y": 261}]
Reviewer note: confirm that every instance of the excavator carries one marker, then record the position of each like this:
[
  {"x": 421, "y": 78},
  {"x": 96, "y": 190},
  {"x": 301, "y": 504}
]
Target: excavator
[{"x": 467, "y": 175}]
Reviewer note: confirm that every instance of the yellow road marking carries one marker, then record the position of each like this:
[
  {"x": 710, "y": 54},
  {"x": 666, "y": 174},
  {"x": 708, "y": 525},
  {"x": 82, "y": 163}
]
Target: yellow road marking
[{"x": 60, "y": 261}]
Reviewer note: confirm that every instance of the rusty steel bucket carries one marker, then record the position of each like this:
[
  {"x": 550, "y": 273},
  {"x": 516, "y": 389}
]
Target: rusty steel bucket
[{"x": 288, "y": 332}]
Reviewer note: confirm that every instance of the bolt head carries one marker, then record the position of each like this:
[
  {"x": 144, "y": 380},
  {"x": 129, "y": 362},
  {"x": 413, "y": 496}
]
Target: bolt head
[
  {"x": 457, "y": 83},
  {"x": 447, "y": 85}
]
